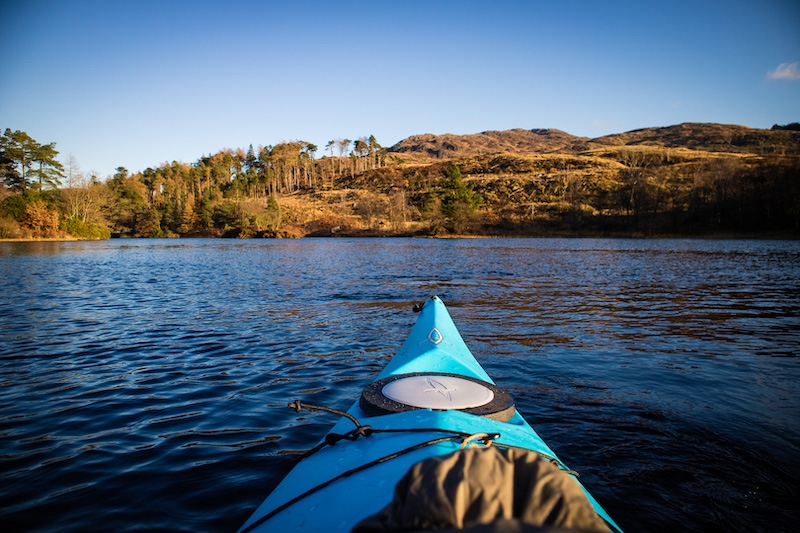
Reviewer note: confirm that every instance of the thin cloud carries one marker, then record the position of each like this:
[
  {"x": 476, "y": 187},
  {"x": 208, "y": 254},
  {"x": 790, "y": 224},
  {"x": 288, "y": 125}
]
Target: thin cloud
[{"x": 785, "y": 71}]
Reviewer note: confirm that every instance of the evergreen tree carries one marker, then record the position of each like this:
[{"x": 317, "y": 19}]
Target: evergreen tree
[
  {"x": 18, "y": 154},
  {"x": 17, "y": 148},
  {"x": 459, "y": 202},
  {"x": 49, "y": 168}
]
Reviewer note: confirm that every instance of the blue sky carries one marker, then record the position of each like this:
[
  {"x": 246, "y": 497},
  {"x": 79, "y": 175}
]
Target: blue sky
[{"x": 140, "y": 83}]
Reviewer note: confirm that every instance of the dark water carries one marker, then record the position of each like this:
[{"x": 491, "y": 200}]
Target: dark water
[{"x": 143, "y": 382}]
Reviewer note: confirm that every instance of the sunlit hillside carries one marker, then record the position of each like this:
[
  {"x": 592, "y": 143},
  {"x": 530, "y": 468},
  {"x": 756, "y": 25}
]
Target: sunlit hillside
[{"x": 688, "y": 179}]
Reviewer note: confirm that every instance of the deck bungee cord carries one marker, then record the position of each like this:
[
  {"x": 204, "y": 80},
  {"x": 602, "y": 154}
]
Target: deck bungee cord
[
  {"x": 362, "y": 430},
  {"x": 366, "y": 431}
]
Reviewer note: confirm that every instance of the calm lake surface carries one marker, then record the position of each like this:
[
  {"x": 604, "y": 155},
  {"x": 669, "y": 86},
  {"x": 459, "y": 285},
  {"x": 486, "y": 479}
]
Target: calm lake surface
[{"x": 143, "y": 383}]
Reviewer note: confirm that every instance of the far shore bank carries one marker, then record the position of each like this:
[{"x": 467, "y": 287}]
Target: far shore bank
[
  {"x": 400, "y": 235},
  {"x": 43, "y": 239}
]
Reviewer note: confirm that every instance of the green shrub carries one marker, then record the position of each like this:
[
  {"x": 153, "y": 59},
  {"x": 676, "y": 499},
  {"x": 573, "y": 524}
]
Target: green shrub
[
  {"x": 15, "y": 205},
  {"x": 78, "y": 228}
]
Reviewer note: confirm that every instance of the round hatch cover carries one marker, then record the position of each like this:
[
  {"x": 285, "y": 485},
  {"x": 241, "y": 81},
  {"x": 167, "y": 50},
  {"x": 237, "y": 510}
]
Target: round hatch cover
[{"x": 438, "y": 391}]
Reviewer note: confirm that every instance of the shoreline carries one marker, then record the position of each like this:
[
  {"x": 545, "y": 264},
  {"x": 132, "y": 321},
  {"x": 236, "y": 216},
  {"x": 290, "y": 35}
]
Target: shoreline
[
  {"x": 45, "y": 239},
  {"x": 388, "y": 235}
]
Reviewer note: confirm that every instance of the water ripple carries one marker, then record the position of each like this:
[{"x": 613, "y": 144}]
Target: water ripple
[{"x": 143, "y": 383}]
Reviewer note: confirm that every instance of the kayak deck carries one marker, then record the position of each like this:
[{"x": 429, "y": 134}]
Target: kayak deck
[{"x": 345, "y": 481}]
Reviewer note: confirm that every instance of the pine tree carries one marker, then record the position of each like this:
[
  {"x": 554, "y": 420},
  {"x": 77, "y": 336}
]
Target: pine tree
[{"x": 18, "y": 154}]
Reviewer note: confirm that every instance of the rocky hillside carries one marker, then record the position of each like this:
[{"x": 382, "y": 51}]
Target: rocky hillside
[
  {"x": 694, "y": 136},
  {"x": 711, "y": 138},
  {"x": 516, "y": 141},
  {"x": 689, "y": 179}
]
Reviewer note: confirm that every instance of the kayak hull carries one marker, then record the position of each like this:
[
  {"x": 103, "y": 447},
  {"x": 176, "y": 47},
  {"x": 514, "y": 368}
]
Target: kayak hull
[{"x": 340, "y": 484}]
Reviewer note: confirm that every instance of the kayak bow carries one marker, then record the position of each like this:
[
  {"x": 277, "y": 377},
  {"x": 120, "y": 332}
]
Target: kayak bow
[{"x": 429, "y": 399}]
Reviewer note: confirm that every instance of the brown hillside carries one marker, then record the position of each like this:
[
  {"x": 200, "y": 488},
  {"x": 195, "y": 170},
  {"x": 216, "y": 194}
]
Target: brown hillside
[
  {"x": 516, "y": 141},
  {"x": 693, "y": 136},
  {"x": 710, "y": 137}
]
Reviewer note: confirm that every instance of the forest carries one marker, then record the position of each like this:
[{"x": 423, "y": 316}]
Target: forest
[{"x": 690, "y": 179}]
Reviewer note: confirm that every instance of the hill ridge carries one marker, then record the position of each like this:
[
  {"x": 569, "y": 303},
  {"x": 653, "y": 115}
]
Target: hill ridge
[{"x": 712, "y": 137}]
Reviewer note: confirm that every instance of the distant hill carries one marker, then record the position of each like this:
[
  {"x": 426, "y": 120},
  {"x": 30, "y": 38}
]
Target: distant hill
[
  {"x": 710, "y": 137},
  {"x": 516, "y": 141},
  {"x": 695, "y": 136}
]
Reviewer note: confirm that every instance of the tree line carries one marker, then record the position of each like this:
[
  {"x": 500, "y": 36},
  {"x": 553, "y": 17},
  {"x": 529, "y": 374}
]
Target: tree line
[
  {"x": 718, "y": 194},
  {"x": 32, "y": 202},
  {"x": 229, "y": 190}
]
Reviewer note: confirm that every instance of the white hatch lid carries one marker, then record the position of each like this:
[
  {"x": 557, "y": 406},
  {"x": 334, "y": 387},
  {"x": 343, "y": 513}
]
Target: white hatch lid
[{"x": 438, "y": 392}]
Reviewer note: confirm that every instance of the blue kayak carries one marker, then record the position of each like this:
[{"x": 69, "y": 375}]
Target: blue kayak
[{"x": 431, "y": 399}]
